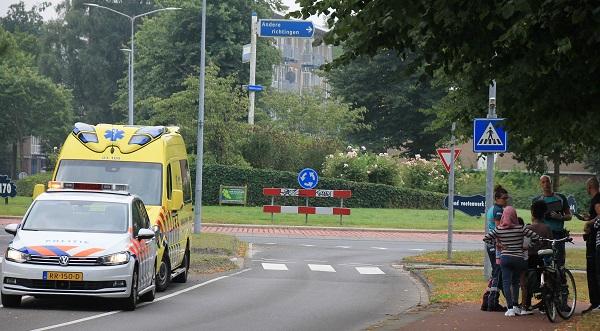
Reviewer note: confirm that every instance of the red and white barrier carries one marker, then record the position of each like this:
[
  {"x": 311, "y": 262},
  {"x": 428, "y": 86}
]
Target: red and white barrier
[
  {"x": 307, "y": 193},
  {"x": 276, "y": 209},
  {"x": 306, "y": 210}
]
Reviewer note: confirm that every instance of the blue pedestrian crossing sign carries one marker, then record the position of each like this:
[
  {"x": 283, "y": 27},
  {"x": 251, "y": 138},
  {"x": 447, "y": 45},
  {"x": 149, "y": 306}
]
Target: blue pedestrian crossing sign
[
  {"x": 308, "y": 178},
  {"x": 489, "y": 136}
]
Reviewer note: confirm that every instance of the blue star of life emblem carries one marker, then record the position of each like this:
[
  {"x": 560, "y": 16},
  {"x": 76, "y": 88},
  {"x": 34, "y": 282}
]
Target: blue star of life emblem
[{"x": 114, "y": 134}]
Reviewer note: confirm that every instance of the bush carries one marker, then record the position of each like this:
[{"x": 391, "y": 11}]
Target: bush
[
  {"x": 426, "y": 175},
  {"x": 360, "y": 166},
  {"x": 25, "y": 185},
  {"x": 364, "y": 195}
]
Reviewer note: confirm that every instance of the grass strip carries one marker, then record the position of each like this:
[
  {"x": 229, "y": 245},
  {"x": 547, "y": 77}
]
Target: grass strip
[
  {"x": 213, "y": 252},
  {"x": 360, "y": 217},
  {"x": 575, "y": 258}
]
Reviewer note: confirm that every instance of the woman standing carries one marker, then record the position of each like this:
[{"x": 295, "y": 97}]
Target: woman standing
[{"x": 509, "y": 234}]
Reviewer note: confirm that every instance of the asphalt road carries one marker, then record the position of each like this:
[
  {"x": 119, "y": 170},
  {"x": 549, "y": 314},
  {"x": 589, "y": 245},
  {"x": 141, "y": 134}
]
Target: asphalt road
[{"x": 287, "y": 284}]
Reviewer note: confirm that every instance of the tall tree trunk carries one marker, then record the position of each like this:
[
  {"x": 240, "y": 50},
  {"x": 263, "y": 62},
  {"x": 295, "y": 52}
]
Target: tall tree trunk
[
  {"x": 556, "y": 162},
  {"x": 13, "y": 161}
]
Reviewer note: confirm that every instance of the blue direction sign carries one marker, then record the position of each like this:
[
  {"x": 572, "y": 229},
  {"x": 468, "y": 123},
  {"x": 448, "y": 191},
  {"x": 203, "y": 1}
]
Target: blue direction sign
[
  {"x": 308, "y": 178},
  {"x": 489, "y": 136},
  {"x": 285, "y": 28},
  {"x": 473, "y": 205},
  {"x": 7, "y": 188},
  {"x": 254, "y": 88}
]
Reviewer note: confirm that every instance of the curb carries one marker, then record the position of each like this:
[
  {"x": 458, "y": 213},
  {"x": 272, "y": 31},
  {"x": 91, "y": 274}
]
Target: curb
[
  {"x": 421, "y": 280},
  {"x": 304, "y": 227}
]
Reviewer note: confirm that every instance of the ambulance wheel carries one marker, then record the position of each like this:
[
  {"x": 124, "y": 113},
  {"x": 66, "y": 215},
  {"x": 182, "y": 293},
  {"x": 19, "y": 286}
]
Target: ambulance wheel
[
  {"x": 131, "y": 302},
  {"x": 11, "y": 301},
  {"x": 149, "y": 296},
  {"x": 163, "y": 277},
  {"x": 182, "y": 277}
]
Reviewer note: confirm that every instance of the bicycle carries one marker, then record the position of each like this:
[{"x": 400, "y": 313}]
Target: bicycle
[{"x": 557, "y": 292}]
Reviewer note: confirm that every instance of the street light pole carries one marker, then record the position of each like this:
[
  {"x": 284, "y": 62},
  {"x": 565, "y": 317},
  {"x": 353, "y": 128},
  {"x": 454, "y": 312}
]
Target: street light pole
[{"x": 131, "y": 54}]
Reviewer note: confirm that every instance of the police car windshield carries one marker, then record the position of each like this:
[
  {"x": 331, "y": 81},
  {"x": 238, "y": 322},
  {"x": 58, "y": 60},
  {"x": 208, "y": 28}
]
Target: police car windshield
[
  {"x": 77, "y": 216},
  {"x": 144, "y": 179}
]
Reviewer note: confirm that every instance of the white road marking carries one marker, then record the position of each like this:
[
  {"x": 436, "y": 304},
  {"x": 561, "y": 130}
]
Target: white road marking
[
  {"x": 321, "y": 267},
  {"x": 0, "y": 260},
  {"x": 307, "y": 245},
  {"x": 274, "y": 266},
  {"x": 360, "y": 264},
  {"x": 270, "y": 244},
  {"x": 343, "y": 247},
  {"x": 142, "y": 304},
  {"x": 416, "y": 249},
  {"x": 369, "y": 271},
  {"x": 381, "y": 248},
  {"x": 250, "y": 250}
]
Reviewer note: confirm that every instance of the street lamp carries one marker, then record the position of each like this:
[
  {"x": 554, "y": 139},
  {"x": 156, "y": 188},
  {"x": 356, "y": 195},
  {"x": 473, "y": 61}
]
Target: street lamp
[{"x": 131, "y": 50}]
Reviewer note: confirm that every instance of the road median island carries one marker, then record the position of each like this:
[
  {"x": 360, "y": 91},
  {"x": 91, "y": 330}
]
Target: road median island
[
  {"x": 214, "y": 253},
  {"x": 456, "y": 290}
]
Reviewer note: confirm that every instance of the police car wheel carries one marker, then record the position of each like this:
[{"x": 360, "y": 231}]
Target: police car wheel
[
  {"x": 131, "y": 302},
  {"x": 182, "y": 277},
  {"x": 11, "y": 301},
  {"x": 163, "y": 277}
]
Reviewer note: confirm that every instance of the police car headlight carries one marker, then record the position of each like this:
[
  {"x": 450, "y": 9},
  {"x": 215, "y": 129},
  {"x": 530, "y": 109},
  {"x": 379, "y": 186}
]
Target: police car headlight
[
  {"x": 114, "y": 259},
  {"x": 16, "y": 256}
]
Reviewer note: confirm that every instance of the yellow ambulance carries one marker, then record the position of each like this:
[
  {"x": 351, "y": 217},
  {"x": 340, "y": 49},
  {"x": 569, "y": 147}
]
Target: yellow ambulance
[{"x": 152, "y": 161}]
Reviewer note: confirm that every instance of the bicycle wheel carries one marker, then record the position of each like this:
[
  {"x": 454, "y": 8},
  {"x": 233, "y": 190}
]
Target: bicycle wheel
[
  {"x": 568, "y": 295},
  {"x": 550, "y": 303}
]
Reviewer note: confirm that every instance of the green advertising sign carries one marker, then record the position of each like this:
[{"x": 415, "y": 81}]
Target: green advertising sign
[{"x": 235, "y": 195}]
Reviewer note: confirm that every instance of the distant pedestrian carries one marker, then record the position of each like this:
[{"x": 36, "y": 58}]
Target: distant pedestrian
[
  {"x": 558, "y": 213},
  {"x": 491, "y": 301},
  {"x": 538, "y": 210},
  {"x": 510, "y": 236},
  {"x": 590, "y": 233}
]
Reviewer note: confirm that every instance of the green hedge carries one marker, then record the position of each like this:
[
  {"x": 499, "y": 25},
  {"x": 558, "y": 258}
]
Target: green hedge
[
  {"x": 364, "y": 195},
  {"x": 25, "y": 185}
]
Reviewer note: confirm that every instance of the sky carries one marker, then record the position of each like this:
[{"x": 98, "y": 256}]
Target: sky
[{"x": 50, "y": 12}]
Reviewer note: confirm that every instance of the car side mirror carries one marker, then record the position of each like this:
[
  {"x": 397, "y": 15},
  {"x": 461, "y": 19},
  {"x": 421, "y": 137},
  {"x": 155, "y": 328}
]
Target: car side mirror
[
  {"x": 11, "y": 229},
  {"x": 177, "y": 200},
  {"x": 38, "y": 189},
  {"x": 145, "y": 234}
]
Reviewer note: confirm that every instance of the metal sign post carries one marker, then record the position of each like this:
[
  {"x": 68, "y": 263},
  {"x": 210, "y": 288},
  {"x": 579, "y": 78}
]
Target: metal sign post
[
  {"x": 451, "y": 194},
  {"x": 489, "y": 188}
]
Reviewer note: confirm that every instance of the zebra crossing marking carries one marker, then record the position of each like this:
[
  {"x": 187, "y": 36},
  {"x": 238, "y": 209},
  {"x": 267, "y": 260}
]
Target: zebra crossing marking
[
  {"x": 321, "y": 267},
  {"x": 274, "y": 266},
  {"x": 369, "y": 271}
]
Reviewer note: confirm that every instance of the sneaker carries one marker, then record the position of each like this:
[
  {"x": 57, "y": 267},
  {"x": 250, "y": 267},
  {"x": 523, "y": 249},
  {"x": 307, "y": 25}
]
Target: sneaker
[
  {"x": 524, "y": 311},
  {"x": 589, "y": 309},
  {"x": 517, "y": 310},
  {"x": 510, "y": 312}
]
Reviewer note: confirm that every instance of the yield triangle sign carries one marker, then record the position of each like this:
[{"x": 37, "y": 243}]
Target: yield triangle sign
[{"x": 445, "y": 154}]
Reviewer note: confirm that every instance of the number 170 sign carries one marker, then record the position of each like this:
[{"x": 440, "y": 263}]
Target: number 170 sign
[{"x": 7, "y": 188}]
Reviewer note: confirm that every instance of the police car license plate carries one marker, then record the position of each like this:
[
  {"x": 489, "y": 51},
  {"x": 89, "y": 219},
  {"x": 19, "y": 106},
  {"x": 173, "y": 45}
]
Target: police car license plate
[{"x": 59, "y": 275}]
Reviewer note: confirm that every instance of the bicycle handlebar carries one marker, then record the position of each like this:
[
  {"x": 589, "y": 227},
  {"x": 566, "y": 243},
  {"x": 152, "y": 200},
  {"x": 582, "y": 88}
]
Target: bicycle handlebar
[{"x": 565, "y": 239}]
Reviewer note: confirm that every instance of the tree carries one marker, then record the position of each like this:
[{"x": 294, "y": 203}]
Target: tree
[
  {"x": 311, "y": 114},
  {"x": 393, "y": 97},
  {"x": 168, "y": 46},
  {"x": 82, "y": 50},
  {"x": 544, "y": 53},
  {"x": 30, "y": 105},
  {"x": 224, "y": 116}
]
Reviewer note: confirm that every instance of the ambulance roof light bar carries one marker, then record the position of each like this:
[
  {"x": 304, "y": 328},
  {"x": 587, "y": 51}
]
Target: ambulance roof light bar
[{"x": 82, "y": 186}]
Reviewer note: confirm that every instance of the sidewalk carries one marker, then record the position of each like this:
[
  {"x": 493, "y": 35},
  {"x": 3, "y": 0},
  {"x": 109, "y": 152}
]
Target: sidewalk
[{"x": 468, "y": 317}]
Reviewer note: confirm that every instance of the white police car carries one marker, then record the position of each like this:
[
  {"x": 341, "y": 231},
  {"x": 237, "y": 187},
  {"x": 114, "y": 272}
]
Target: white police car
[{"x": 84, "y": 239}]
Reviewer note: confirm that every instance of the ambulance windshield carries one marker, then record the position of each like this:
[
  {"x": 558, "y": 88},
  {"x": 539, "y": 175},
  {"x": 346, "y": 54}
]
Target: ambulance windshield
[{"x": 144, "y": 179}]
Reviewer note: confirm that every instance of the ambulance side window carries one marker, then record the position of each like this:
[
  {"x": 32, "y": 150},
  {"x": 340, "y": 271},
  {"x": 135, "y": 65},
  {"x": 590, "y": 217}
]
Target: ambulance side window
[
  {"x": 185, "y": 180},
  {"x": 169, "y": 183}
]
